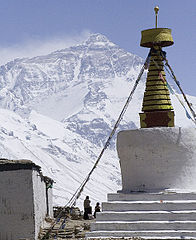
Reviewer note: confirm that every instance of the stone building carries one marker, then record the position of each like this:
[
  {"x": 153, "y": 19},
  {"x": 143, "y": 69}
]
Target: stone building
[{"x": 25, "y": 199}]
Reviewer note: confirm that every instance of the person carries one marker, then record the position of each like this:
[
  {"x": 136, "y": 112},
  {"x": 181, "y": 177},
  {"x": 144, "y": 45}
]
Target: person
[
  {"x": 97, "y": 209},
  {"x": 87, "y": 208}
]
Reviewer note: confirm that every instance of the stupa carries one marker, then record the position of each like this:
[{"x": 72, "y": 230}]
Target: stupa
[
  {"x": 158, "y": 165},
  {"x": 157, "y": 106}
]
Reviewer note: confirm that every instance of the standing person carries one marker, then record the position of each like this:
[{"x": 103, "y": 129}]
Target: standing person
[
  {"x": 87, "y": 208},
  {"x": 97, "y": 209}
]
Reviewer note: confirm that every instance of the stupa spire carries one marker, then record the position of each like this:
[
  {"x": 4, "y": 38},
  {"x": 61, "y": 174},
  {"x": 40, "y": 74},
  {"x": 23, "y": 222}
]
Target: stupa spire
[
  {"x": 157, "y": 108},
  {"x": 156, "y": 9}
]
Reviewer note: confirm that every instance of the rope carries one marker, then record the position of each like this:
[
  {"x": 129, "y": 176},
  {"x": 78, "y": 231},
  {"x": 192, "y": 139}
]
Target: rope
[
  {"x": 78, "y": 192},
  {"x": 173, "y": 92},
  {"x": 113, "y": 131},
  {"x": 178, "y": 84},
  {"x": 181, "y": 102}
]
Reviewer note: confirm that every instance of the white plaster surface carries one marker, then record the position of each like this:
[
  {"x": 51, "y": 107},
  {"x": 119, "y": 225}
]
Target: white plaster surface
[
  {"x": 143, "y": 225},
  {"x": 39, "y": 195},
  {"x": 146, "y": 196},
  {"x": 159, "y": 215},
  {"x": 50, "y": 202},
  {"x": 22, "y": 204},
  {"x": 149, "y": 206},
  {"x": 147, "y": 216},
  {"x": 158, "y": 198},
  {"x": 156, "y": 234},
  {"x": 155, "y": 159},
  {"x": 16, "y": 205}
]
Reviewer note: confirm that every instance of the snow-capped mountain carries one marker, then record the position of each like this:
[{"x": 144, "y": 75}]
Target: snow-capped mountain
[{"x": 58, "y": 110}]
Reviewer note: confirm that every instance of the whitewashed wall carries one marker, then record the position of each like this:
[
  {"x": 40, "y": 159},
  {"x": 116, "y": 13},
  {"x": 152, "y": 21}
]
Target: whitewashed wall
[
  {"x": 40, "y": 208},
  {"x": 154, "y": 159},
  {"x": 50, "y": 201},
  {"x": 39, "y": 194},
  {"x": 16, "y": 205},
  {"x": 22, "y": 204}
]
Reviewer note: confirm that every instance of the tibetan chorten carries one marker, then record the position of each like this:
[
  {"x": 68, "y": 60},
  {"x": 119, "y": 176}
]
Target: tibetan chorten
[
  {"x": 157, "y": 108},
  {"x": 158, "y": 167}
]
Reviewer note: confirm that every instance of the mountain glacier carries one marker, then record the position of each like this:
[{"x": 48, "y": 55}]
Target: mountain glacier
[{"x": 58, "y": 110}]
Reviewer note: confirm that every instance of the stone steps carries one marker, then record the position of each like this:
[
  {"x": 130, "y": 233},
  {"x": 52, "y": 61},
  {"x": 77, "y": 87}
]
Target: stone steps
[
  {"x": 143, "y": 225},
  {"x": 138, "y": 196},
  {"x": 168, "y": 234},
  {"x": 147, "y": 215},
  {"x": 149, "y": 205}
]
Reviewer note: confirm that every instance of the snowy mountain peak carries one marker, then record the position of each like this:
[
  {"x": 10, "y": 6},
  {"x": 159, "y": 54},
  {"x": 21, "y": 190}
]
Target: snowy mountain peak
[
  {"x": 59, "y": 109},
  {"x": 95, "y": 38},
  {"x": 31, "y": 83}
]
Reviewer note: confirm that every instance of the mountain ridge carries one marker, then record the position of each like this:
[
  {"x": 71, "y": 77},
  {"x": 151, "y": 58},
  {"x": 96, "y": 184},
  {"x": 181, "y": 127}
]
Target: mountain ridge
[{"x": 58, "y": 110}]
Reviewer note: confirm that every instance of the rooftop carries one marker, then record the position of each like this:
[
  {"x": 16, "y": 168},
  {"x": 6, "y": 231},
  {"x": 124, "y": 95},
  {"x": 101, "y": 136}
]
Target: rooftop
[{"x": 10, "y": 165}]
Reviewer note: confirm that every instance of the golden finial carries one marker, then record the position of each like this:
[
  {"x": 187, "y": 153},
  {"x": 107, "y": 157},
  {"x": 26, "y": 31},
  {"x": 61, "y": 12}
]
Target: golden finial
[{"x": 156, "y": 9}]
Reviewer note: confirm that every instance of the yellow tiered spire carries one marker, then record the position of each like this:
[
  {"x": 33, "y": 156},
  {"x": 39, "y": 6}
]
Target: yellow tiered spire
[
  {"x": 156, "y": 96},
  {"x": 157, "y": 108}
]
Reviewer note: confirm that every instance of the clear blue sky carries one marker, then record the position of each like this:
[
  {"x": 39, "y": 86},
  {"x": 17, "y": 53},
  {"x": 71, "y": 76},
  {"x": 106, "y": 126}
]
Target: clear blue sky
[{"x": 120, "y": 20}]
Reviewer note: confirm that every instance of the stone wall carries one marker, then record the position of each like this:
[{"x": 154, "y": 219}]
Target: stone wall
[
  {"x": 23, "y": 205},
  {"x": 16, "y": 205}
]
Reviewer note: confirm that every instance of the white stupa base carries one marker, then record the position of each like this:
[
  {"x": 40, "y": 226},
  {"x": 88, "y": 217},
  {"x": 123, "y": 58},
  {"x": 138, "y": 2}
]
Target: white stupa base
[
  {"x": 158, "y": 196},
  {"x": 155, "y": 159}
]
